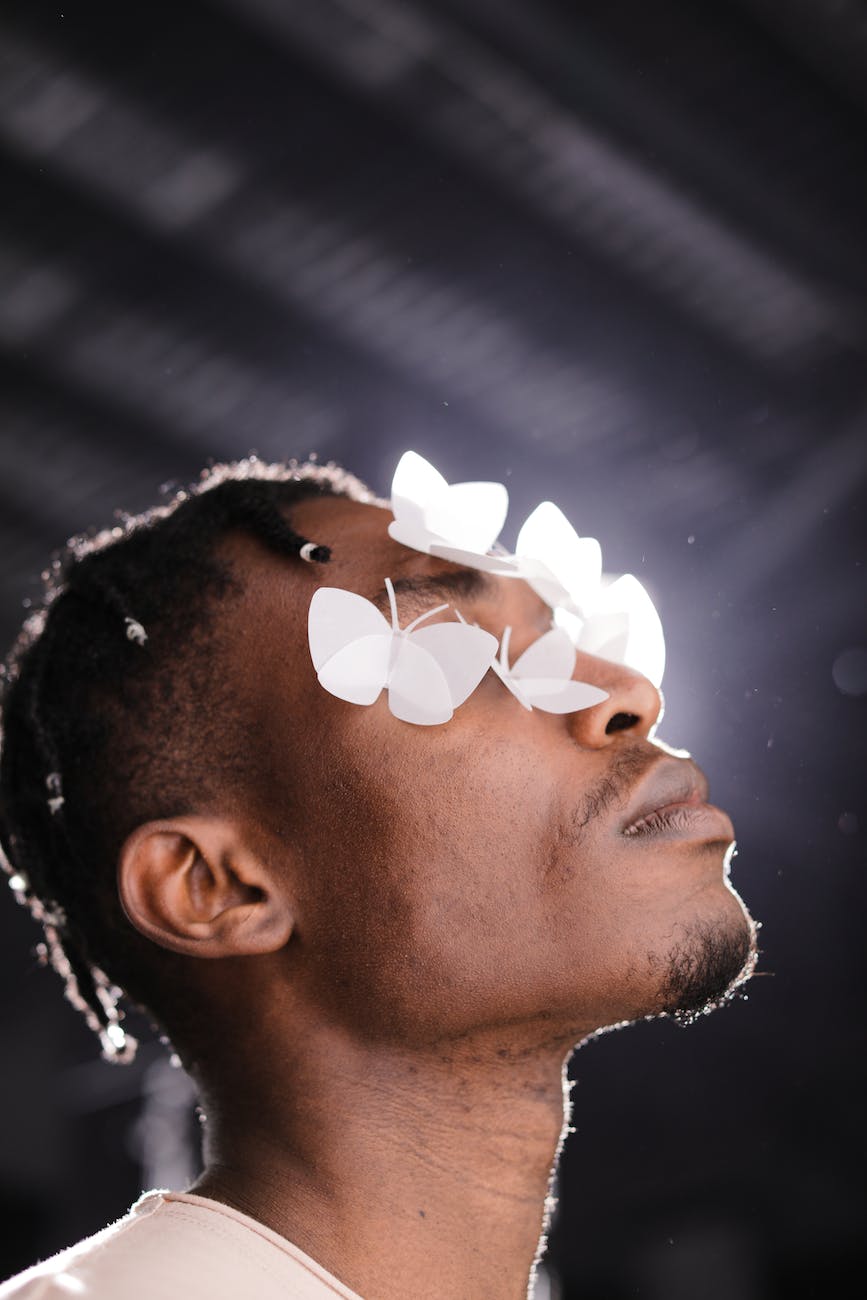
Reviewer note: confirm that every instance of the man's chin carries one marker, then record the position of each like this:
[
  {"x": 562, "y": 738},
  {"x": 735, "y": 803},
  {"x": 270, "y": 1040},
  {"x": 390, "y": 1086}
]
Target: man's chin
[{"x": 708, "y": 968}]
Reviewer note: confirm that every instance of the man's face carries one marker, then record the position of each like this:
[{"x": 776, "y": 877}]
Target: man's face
[{"x": 491, "y": 870}]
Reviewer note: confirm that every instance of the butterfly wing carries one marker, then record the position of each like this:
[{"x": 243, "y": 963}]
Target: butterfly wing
[
  {"x": 626, "y": 628},
  {"x": 336, "y": 618},
  {"x": 415, "y": 485},
  {"x": 543, "y": 674},
  {"x": 417, "y": 687},
  {"x": 550, "y": 655},
  {"x": 560, "y": 696},
  {"x": 411, "y": 533},
  {"x": 585, "y": 568},
  {"x": 511, "y": 684},
  {"x": 505, "y": 565},
  {"x": 605, "y": 635},
  {"x": 358, "y": 672},
  {"x": 547, "y": 539},
  {"x": 469, "y": 515},
  {"x": 463, "y": 654},
  {"x": 543, "y": 581},
  {"x": 570, "y": 623},
  {"x": 426, "y": 509}
]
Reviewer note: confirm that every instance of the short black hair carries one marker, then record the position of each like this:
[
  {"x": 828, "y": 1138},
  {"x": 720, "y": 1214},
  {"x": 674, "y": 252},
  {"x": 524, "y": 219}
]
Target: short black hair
[{"x": 114, "y": 710}]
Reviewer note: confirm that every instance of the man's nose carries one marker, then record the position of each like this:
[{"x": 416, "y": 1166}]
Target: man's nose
[{"x": 634, "y": 704}]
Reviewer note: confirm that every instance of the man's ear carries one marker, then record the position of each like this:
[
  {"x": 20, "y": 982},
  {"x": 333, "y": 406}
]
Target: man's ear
[{"x": 193, "y": 884}]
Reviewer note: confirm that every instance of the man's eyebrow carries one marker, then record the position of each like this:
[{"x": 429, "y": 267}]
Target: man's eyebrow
[{"x": 471, "y": 584}]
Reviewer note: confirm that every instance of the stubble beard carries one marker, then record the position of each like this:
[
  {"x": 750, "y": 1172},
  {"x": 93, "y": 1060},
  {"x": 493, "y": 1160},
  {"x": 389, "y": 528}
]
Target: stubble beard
[{"x": 708, "y": 968}]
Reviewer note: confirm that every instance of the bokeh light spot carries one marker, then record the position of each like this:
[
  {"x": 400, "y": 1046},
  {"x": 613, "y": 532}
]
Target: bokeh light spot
[{"x": 850, "y": 671}]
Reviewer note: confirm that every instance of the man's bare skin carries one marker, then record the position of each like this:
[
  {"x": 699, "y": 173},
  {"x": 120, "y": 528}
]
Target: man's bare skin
[{"x": 416, "y": 926}]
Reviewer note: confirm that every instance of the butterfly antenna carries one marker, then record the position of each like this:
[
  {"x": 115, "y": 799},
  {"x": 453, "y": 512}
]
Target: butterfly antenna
[
  {"x": 504, "y": 647},
  {"x": 429, "y": 613},
  {"x": 393, "y": 603}
]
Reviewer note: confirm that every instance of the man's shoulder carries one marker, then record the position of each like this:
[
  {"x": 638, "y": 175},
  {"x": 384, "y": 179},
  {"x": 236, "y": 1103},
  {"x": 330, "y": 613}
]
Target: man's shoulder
[
  {"x": 94, "y": 1257},
  {"x": 177, "y": 1245}
]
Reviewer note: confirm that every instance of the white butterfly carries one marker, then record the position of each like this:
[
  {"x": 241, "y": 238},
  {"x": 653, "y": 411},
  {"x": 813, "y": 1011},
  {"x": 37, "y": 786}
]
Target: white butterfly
[
  {"x": 458, "y": 521},
  {"x": 428, "y": 671},
  {"x": 561, "y": 567},
  {"x": 617, "y": 621},
  {"x": 621, "y": 625},
  {"x": 542, "y": 676}
]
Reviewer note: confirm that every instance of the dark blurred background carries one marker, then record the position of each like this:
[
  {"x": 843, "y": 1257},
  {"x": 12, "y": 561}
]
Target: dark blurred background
[{"x": 609, "y": 253}]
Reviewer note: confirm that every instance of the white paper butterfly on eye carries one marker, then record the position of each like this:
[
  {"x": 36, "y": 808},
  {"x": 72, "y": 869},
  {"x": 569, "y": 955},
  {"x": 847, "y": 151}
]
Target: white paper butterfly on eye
[
  {"x": 617, "y": 621},
  {"x": 457, "y": 521},
  {"x": 428, "y": 671},
  {"x": 541, "y": 677}
]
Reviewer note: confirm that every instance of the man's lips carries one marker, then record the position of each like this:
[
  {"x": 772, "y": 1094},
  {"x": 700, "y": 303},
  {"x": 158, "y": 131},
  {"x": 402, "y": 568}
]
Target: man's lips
[{"x": 672, "y": 801}]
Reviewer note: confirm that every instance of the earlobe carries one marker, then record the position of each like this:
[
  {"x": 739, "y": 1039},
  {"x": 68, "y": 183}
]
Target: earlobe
[{"x": 193, "y": 885}]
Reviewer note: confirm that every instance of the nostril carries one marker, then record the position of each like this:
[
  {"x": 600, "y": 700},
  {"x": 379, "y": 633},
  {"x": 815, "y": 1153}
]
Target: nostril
[{"x": 621, "y": 722}]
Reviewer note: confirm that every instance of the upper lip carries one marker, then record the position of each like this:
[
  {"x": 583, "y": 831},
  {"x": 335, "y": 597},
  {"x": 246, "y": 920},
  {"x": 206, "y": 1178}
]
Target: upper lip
[{"x": 671, "y": 781}]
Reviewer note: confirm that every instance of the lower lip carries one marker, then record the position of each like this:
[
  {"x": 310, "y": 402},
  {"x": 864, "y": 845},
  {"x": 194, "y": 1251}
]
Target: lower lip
[{"x": 683, "y": 821}]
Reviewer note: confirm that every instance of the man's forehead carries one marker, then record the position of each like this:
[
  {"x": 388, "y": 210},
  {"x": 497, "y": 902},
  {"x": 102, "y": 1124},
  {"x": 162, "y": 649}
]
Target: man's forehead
[
  {"x": 277, "y": 595},
  {"x": 363, "y": 554},
  {"x": 356, "y": 534}
]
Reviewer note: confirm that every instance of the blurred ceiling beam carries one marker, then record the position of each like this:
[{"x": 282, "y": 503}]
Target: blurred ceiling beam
[
  {"x": 822, "y": 481},
  {"x": 478, "y": 104},
  {"x": 204, "y": 394},
  {"x": 458, "y": 345},
  {"x": 831, "y": 35}
]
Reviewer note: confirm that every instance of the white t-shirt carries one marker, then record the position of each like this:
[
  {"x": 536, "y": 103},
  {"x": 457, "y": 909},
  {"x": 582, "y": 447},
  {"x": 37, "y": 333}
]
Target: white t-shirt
[{"x": 178, "y": 1246}]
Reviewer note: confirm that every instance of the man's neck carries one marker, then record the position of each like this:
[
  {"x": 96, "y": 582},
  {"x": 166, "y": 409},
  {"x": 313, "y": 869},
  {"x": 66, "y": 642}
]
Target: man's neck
[{"x": 423, "y": 1174}]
